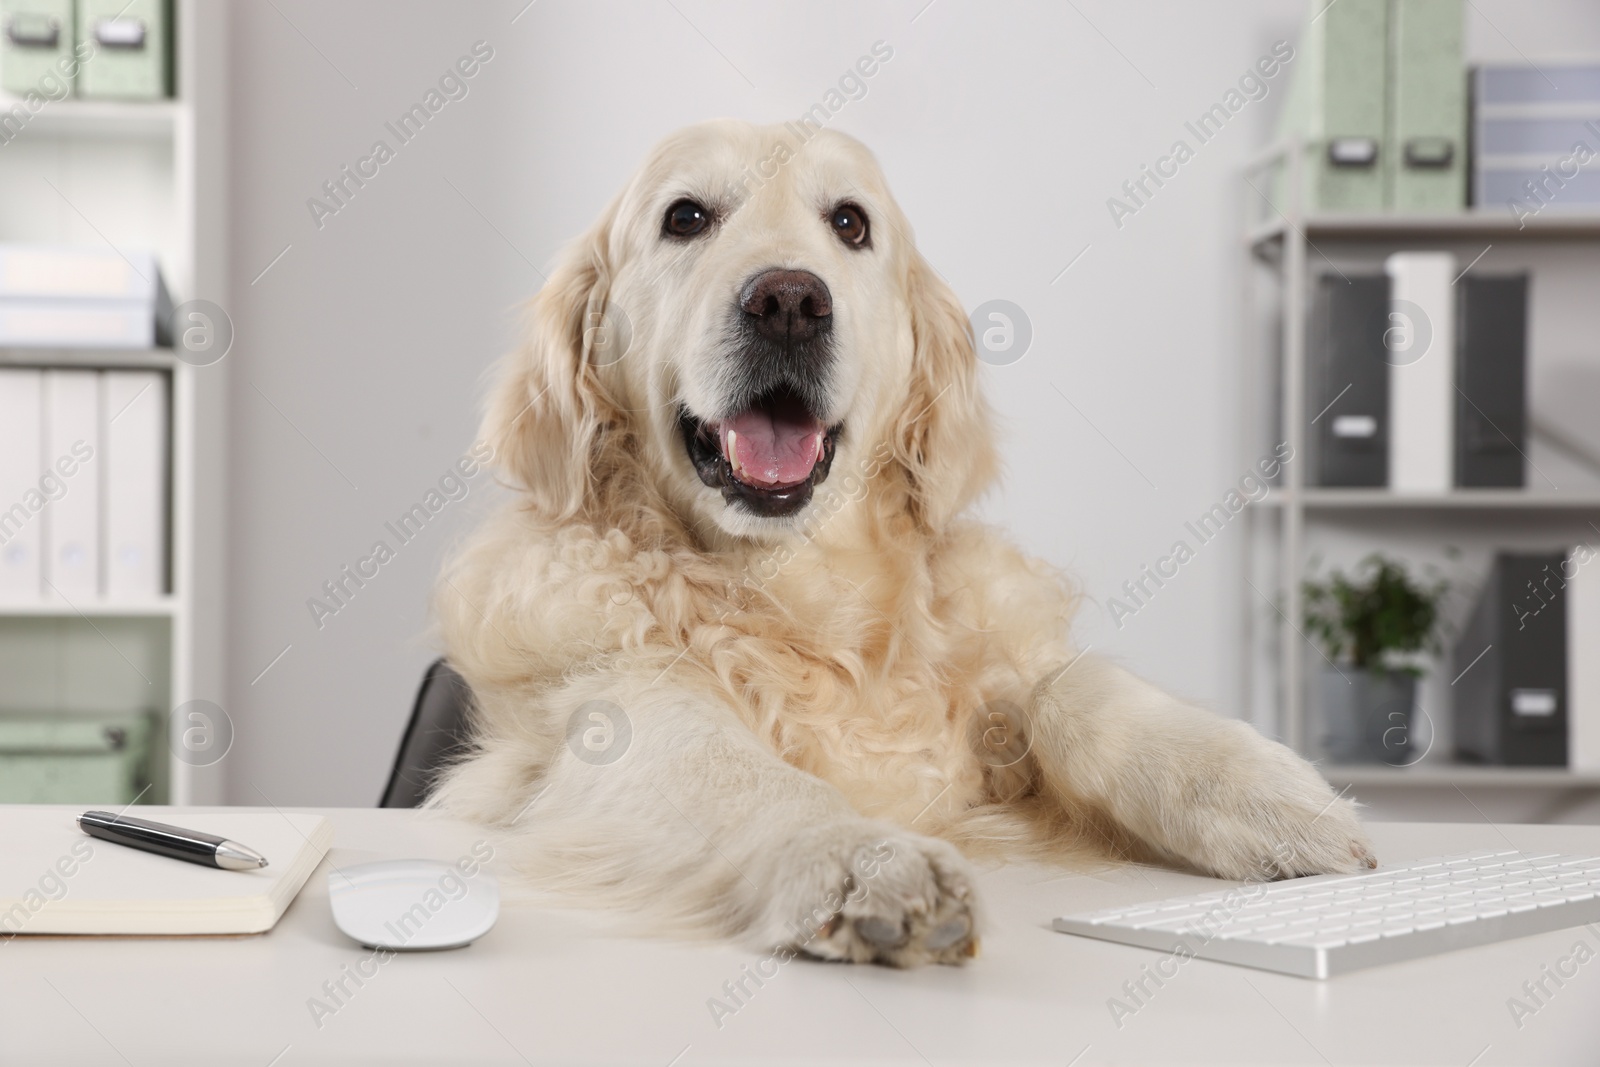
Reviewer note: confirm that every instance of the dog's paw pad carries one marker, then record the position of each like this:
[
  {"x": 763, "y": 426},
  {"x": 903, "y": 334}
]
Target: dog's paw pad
[
  {"x": 948, "y": 933},
  {"x": 881, "y": 932},
  {"x": 891, "y": 897}
]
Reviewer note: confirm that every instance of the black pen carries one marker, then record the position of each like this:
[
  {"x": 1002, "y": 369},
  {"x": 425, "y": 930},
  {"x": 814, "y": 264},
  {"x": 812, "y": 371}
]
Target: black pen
[{"x": 208, "y": 850}]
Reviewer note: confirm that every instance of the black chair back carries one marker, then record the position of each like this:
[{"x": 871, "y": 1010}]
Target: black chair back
[{"x": 438, "y": 730}]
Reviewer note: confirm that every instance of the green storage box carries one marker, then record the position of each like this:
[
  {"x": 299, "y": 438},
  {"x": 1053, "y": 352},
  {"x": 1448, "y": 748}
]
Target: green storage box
[
  {"x": 74, "y": 757},
  {"x": 36, "y": 38},
  {"x": 132, "y": 42}
]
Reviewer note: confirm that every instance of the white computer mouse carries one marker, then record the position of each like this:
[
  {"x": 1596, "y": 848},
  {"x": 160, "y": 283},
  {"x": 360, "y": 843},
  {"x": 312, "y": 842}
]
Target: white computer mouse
[{"x": 412, "y": 905}]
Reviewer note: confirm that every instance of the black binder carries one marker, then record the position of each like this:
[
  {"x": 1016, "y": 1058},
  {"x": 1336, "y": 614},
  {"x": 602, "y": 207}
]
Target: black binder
[
  {"x": 1491, "y": 380},
  {"x": 1511, "y": 663},
  {"x": 1348, "y": 383}
]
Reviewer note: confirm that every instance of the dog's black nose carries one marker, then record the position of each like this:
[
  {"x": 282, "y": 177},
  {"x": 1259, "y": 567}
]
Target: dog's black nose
[{"x": 785, "y": 305}]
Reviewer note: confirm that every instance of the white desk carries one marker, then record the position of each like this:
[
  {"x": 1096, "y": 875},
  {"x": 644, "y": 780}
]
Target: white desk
[{"x": 548, "y": 987}]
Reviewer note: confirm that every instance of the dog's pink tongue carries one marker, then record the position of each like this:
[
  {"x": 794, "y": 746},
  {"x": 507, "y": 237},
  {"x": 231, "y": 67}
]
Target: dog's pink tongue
[{"x": 772, "y": 449}]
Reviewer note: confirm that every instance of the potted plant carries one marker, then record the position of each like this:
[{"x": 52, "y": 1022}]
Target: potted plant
[{"x": 1374, "y": 625}]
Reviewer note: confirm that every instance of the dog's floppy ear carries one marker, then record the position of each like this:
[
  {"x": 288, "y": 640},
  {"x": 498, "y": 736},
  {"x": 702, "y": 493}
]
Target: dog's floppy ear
[
  {"x": 548, "y": 410},
  {"x": 942, "y": 437}
]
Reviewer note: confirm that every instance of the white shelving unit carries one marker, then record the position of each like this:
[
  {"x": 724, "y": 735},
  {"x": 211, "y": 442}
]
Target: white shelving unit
[
  {"x": 1285, "y": 251},
  {"x": 146, "y": 175},
  {"x": 1465, "y": 500},
  {"x": 1447, "y": 776}
]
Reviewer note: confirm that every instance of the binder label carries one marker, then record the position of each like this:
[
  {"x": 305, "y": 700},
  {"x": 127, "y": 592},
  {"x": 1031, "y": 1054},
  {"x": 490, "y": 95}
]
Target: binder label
[
  {"x": 1537, "y": 702},
  {"x": 1358, "y": 426}
]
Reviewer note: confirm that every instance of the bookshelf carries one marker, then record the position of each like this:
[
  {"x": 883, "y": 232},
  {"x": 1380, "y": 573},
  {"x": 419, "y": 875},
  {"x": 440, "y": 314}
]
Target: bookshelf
[
  {"x": 1266, "y": 237},
  {"x": 139, "y": 175},
  {"x": 157, "y": 119},
  {"x": 1284, "y": 251},
  {"x": 1467, "y": 777},
  {"x": 165, "y": 607},
  {"x": 1463, "y": 500}
]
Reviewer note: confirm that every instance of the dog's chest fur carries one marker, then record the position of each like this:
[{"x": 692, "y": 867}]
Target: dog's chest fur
[
  {"x": 869, "y": 668},
  {"x": 865, "y": 665}
]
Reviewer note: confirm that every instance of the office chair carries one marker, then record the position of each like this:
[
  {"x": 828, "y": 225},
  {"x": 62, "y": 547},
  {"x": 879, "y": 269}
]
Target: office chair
[{"x": 437, "y": 730}]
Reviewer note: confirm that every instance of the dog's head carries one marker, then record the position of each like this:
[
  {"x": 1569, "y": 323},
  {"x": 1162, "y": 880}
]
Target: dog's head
[{"x": 747, "y": 317}]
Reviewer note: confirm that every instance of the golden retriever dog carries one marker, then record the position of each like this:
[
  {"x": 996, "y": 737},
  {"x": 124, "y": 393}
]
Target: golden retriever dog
[{"x": 739, "y": 662}]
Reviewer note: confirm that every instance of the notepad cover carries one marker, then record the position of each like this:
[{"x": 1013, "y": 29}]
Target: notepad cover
[{"x": 54, "y": 879}]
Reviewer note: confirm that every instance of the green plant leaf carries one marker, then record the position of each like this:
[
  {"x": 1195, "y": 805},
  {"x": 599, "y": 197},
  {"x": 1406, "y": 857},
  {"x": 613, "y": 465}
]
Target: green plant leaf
[{"x": 1374, "y": 614}]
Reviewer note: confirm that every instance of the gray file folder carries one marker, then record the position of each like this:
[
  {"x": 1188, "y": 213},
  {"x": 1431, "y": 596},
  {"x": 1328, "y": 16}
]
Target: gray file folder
[
  {"x": 1348, "y": 390},
  {"x": 1511, "y": 693},
  {"x": 1491, "y": 380}
]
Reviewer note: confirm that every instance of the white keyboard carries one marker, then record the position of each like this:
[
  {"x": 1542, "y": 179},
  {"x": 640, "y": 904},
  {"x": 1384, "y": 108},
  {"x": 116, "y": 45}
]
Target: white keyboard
[{"x": 1326, "y": 925}]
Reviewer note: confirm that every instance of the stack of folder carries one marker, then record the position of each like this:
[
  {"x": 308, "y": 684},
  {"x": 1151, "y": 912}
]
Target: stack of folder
[
  {"x": 1379, "y": 102},
  {"x": 68, "y": 296},
  {"x": 1418, "y": 377},
  {"x": 1536, "y": 131},
  {"x": 84, "y": 485}
]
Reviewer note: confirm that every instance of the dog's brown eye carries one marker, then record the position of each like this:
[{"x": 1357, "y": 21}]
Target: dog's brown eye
[
  {"x": 685, "y": 219},
  {"x": 850, "y": 224}
]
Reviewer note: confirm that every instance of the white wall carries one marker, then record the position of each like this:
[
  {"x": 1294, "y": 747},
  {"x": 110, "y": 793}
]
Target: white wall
[{"x": 360, "y": 354}]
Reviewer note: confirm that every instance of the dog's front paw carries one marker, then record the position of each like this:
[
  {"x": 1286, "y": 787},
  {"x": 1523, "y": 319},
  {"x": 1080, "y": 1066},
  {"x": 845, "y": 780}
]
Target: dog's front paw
[
  {"x": 1268, "y": 814},
  {"x": 867, "y": 892}
]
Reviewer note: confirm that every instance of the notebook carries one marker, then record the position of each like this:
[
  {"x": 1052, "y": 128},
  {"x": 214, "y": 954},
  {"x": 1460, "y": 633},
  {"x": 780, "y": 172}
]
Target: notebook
[{"x": 55, "y": 879}]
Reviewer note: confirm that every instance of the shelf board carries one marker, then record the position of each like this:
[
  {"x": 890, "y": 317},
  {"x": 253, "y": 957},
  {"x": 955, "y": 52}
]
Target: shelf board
[
  {"x": 1448, "y": 775},
  {"x": 98, "y": 118},
  {"x": 1486, "y": 223},
  {"x": 98, "y": 609},
  {"x": 88, "y": 357},
  {"x": 1456, "y": 500}
]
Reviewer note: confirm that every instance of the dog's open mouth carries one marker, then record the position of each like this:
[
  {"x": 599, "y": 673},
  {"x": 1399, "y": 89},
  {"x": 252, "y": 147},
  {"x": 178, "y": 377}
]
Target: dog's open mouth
[{"x": 768, "y": 457}]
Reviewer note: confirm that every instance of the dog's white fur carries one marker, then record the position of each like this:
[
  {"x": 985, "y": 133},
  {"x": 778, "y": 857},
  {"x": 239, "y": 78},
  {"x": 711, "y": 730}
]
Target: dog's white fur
[{"x": 803, "y": 694}]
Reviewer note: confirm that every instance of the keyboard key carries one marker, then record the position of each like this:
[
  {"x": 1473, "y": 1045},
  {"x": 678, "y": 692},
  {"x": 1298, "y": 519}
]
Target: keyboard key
[
  {"x": 1182, "y": 924},
  {"x": 1291, "y": 938}
]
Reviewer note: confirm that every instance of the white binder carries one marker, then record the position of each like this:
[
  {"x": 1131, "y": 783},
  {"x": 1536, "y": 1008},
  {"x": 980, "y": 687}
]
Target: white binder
[
  {"x": 1422, "y": 371},
  {"x": 134, "y": 472},
  {"x": 1583, "y": 665},
  {"x": 21, "y": 500},
  {"x": 72, "y": 451}
]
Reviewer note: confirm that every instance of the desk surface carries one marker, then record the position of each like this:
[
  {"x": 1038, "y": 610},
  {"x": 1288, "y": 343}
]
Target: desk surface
[{"x": 552, "y": 987}]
